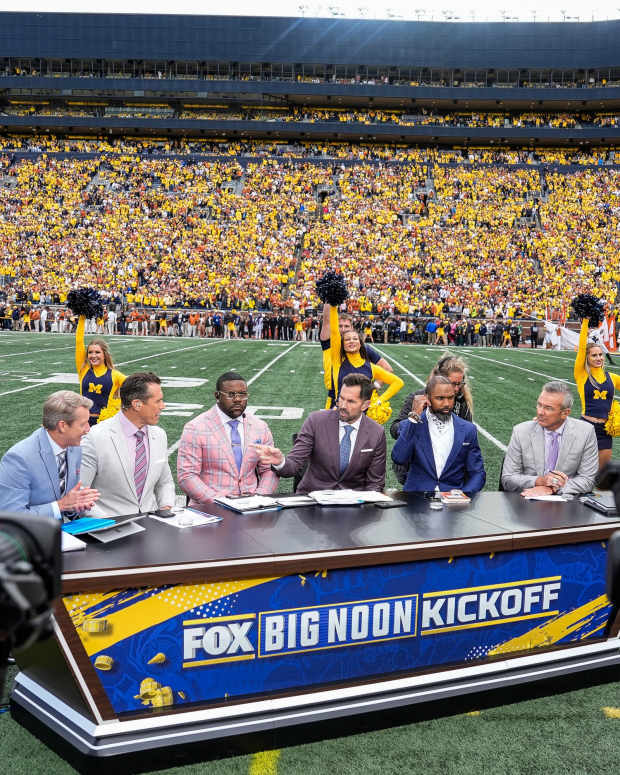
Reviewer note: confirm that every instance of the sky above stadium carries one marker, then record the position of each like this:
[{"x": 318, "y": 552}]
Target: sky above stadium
[{"x": 570, "y": 11}]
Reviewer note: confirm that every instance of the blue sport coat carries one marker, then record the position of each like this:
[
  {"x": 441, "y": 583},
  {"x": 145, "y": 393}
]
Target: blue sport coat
[
  {"x": 464, "y": 468},
  {"x": 29, "y": 475}
]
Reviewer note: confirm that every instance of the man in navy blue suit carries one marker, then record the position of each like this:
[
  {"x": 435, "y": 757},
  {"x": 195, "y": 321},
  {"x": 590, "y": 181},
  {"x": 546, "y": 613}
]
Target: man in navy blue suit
[
  {"x": 41, "y": 474},
  {"x": 440, "y": 448}
]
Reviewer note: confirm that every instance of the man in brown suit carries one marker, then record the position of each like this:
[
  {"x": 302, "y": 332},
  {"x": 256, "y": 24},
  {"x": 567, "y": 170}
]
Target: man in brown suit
[{"x": 344, "y": 449}]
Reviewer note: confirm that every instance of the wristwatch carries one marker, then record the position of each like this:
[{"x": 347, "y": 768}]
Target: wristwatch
[{"x": 413, "y": 417}]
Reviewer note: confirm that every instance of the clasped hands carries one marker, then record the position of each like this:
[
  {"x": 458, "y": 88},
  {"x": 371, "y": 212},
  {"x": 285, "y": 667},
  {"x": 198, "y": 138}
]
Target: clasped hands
[
  {"x": 79, "y": 498},
  {"x": 548, "y": 484}
]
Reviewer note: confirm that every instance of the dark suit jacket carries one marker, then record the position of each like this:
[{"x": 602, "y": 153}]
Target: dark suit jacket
[
  {"x": 464, "y": 468},
  {"x": 317, "y": 443}
]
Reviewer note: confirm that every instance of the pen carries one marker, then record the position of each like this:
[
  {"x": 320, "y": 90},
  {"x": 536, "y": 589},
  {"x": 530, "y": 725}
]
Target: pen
[{"x": 260, "y": 511}]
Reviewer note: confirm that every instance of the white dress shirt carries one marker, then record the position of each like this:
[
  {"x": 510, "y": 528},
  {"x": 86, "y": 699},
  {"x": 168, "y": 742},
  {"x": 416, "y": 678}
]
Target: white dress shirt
[{"x": 442, "y": 439}]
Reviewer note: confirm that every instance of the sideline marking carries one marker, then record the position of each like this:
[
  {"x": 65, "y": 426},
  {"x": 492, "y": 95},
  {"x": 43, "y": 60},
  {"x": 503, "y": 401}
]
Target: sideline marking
[
  {"x": 481, "y": 430},
  {"x": 264, "y": 763},
  {"x": 172, "y": 449}
]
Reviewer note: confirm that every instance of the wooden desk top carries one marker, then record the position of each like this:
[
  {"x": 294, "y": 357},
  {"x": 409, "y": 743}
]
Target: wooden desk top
[{"x": 313, "y": 538}]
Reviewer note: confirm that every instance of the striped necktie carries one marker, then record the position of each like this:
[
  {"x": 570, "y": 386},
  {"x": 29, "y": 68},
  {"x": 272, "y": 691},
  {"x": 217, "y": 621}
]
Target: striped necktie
[
  {"x": 61, "y": 460},
  {"x": 139, "y": 474}
]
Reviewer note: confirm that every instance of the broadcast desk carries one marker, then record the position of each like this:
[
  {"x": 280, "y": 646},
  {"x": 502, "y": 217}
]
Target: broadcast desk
[{"x": 172, "y": 636}]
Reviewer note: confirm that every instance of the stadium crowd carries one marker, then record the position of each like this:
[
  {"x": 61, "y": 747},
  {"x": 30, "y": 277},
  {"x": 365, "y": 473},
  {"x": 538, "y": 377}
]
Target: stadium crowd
[{"x": 423, "y": 237}]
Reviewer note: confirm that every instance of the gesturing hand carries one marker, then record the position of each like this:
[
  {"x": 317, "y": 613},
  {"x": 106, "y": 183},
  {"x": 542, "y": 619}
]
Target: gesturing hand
[{"x": 267, "y": 455}]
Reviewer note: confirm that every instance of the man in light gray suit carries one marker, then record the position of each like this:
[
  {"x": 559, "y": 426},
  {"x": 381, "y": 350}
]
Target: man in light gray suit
[
  {"x": 126, "y": 458},
  {"x": 553, "y": 453},
  {"x": 343, "y": 449}
]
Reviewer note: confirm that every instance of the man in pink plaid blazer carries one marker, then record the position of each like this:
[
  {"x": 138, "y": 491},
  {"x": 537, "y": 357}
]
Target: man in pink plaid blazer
[{"x": 217, "y": 455}]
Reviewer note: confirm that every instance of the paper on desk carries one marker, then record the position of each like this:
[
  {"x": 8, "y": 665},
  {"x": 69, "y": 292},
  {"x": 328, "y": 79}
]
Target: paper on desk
[
  {"x": 337, "y": 497},
  {"x": 69, "y": 543},
  {"x": 187, "y": 518},
  {"x": 552, "y": 498}
]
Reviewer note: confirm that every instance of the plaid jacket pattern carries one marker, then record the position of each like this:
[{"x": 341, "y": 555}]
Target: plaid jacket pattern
[{"x": 206, "y": 467}]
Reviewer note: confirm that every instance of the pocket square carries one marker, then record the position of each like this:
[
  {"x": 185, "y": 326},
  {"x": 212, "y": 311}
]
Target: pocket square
[
  {"x": 369, "y": 449},
  {"x": 467, "y": 443}
]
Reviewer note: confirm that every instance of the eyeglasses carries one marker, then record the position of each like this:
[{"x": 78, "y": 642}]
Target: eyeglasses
[{"x": 233, "y": 395}]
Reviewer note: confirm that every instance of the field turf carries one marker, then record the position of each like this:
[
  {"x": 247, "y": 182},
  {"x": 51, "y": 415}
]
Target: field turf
[{"x": 577, "y": 732}]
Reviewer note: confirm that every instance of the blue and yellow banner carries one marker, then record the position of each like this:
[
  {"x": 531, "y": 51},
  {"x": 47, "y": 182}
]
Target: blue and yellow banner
[{"x": 200, "y": 643}]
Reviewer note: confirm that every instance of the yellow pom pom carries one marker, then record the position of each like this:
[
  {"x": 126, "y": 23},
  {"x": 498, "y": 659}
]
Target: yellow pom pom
[
  {"x": 113, "y": 407},
  {"x": 612, "y": 426},
  {"x": 378, "y": 411}
]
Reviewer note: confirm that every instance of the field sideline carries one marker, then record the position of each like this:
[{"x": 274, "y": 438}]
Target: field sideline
[{"x": 544, "y": 734}]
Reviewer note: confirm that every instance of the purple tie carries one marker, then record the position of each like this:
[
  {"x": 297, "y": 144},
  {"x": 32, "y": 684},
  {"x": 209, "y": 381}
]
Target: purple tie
[
  {"x": 235, "y": 441},
  {"x": 554, "y": 448},
  {"x": 139, "y": 474}
]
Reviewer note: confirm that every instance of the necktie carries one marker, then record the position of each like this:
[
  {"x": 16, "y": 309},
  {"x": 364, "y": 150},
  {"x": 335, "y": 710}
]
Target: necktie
[
  {"x": 345, "y": 448},
  {"x": 554, "y": 448},
  {"x": 235, "y": 441},
  {"x": 61, "y": 460},
  {"x": 139, "y": 474}
]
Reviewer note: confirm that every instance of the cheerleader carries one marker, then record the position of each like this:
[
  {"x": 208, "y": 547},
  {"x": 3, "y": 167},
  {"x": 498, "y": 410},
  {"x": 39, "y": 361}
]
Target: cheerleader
[
  {"x": 347, "y": 355},
  {"x": 99, "y": 380},
  {"x": 596, "y": 391}
]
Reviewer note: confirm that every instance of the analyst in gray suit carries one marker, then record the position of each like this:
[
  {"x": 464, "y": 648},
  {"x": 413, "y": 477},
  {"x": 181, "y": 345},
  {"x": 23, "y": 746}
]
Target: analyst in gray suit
[
  {"x": 126, "y": 457},
  {"x": 539, "y": 462}
]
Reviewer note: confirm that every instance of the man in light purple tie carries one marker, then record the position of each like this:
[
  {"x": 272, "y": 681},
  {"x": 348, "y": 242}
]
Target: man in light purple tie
[
  {"x": 127, "y": 454},
  {"x": 552, "y": 454},
  {"x": 217, "y": 456}
]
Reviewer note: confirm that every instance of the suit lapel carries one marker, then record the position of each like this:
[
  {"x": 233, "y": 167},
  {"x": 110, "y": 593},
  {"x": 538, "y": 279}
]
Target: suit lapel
[
  {"x": 332, "y": 432},
  {"x": 459, "y": 435},
  {"x": 426, "y": 448},
  {"x": 218, "y": 427},
  {"x": 538, "y": 448},
  {"x": 120, "y": 445},
  {"x": 49, "y": 461},
  {"x": 154, "y": 454},
  {"x": 568, "y": 439}
]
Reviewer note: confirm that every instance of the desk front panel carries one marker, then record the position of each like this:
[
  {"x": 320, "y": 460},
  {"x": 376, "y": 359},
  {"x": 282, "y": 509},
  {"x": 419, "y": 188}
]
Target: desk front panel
[{"x": 191, "y": 644}]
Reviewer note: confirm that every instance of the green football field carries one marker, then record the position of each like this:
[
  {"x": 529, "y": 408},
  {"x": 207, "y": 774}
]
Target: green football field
[{"x": 574, "y": 732}]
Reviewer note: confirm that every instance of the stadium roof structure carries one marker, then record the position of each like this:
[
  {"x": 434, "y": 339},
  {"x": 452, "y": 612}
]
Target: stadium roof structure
[{"x": 310, "y": 40}]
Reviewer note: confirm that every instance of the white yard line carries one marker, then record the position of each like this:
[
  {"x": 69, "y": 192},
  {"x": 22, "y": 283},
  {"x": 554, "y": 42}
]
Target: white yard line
[
  {"x": 520, "y": 368},
  {"x": 482, "y": 430},
  {"x": 33, "y": 352},
  {"x": 173, "y": 448},
  {"x": 170, "y": 352},
  {"x": 123, "y": 363}
]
